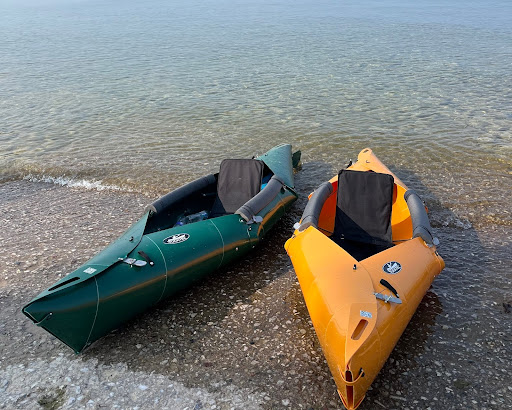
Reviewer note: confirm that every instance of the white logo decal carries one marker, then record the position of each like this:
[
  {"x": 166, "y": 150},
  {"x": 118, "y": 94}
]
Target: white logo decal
[
  {"x": 364, "y": 313},
  {"x": 392, "y": 268},
  {"x": 177, "y": 238},
  {"x": 90, "y": 271}
]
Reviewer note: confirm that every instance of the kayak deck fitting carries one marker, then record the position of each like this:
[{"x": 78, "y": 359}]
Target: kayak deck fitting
[
  {"x": 364, "y": 256},
  {"x": 181, "y": 237}
]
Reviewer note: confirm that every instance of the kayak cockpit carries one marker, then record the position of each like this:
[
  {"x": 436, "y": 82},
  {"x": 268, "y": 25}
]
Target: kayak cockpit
[
  {"x": 242, "y": 186},
  {"x": 366, "y": 210},
  {"x": 212, "y": 196},
  {"x": 362, "y": 223}
]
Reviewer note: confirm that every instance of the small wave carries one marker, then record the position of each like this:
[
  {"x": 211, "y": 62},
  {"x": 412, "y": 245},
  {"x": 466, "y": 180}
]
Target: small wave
[
  {"x": 73, "y": 183},
  {"x": 449, "y": 221}
]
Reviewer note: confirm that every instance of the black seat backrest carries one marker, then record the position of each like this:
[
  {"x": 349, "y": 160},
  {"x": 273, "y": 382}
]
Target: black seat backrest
[
  {"x": 363, "y": 209},
  {"x": 239, "y": 180}
]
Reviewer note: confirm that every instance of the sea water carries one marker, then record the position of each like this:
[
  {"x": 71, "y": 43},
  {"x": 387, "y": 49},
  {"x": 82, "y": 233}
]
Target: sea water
[{"x": 145, "y": 96}]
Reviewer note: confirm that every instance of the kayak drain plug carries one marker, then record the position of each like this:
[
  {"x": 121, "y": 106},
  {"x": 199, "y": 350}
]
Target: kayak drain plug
[{"x": 355, "y": 267}]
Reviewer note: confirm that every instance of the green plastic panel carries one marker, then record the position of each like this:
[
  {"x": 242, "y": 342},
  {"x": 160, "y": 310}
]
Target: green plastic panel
[
  {"x": 279, "y": 160},
  {"x": 189, "y": 260},
  {"x": 68, "y": 315}
]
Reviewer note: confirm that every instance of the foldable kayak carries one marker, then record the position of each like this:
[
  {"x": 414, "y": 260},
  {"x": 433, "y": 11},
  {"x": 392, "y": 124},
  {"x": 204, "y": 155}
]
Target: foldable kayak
[
  {"x": 365, "y": 256},
  {"x": 182, "y": 236}
]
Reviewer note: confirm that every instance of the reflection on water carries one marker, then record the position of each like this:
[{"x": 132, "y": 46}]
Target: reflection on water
[{"x": 148, "y": 96}]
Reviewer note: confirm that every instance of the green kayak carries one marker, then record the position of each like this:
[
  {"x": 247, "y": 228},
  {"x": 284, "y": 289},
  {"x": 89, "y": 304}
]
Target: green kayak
[{"x": 181, "y": 237}]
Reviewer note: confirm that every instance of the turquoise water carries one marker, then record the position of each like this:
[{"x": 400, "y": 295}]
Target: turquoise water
[{"x": 144, "y": 96}]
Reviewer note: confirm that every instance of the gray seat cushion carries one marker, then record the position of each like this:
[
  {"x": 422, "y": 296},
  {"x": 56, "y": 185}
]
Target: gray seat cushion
[
  {"x": 363, "y": 209},
  {"x": 239, "y": 180}
]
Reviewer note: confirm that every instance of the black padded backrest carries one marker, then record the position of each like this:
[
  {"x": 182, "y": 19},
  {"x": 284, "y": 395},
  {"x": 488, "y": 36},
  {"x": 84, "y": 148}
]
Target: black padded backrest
[
  {"x": 363, "y": 209},
  {"x": 239, "y": 180}
]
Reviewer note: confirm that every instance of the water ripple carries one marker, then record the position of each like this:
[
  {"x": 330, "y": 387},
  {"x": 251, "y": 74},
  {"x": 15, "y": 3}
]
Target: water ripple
[{"x": 147, "y": 97}]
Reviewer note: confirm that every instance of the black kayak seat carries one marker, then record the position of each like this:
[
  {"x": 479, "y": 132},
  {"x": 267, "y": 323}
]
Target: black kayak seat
[
  {"x": 363, "y": 212},
  {"x": 239, "y": 180}
]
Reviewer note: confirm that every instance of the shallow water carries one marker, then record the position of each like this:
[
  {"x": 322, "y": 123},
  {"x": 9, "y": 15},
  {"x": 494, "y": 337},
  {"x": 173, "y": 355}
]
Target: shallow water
[
  {"x": 120, "y": 102},
  {"x": 146, "y": 96}
]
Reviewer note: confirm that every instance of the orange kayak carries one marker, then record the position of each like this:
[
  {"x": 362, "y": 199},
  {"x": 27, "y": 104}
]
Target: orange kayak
[{"x": 365, "y": 256}]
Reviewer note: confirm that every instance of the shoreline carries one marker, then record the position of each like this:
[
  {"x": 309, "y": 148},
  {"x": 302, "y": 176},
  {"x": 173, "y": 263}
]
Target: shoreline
[{"x": 241, "y": 338}]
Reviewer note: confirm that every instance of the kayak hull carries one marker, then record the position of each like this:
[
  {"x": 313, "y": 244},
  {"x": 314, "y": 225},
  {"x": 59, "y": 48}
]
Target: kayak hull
[
  {"x": 356, "y": 330},
  {"x": 107, "y": 291}
]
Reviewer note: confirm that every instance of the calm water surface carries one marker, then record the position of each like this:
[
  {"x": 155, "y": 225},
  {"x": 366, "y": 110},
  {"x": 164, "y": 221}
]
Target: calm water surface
[{"x": 148, "y": 95}]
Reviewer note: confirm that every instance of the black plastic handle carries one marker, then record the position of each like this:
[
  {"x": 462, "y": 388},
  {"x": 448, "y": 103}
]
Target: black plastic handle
[
  {"x": 388, "y": 285},
  {"x": 146, "y": 256}
]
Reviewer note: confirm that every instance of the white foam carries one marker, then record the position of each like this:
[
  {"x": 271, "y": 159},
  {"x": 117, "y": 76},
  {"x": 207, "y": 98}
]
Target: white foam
[{"x": 73, "y": 183}]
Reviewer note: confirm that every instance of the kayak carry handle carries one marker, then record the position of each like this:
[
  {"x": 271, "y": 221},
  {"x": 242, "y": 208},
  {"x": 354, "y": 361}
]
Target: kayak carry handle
[
  {"x": 146, "y": 256},
  {"x": 45, "y": 318},
  {"x": 420, "y": 222},
  {"x": 390, "y": 287},
  {"x": 347, "y": 379},
  {"x": 315, "y": 204}
]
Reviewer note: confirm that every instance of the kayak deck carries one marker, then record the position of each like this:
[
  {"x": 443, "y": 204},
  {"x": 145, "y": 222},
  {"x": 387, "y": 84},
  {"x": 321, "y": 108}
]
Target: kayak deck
[
  {"x": 360, "y": 304},
  {"x": 162, "y": 254}
]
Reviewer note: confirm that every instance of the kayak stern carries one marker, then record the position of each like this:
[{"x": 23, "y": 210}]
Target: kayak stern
[{"x": 69, "y": 315}]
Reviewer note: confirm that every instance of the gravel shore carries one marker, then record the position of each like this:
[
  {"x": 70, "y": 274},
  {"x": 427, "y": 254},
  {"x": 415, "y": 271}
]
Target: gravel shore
[{"x": 242, "y": 338}]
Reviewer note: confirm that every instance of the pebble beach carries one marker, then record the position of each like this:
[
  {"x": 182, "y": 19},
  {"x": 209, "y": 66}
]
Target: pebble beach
[{"x": 241, "y": 339}]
